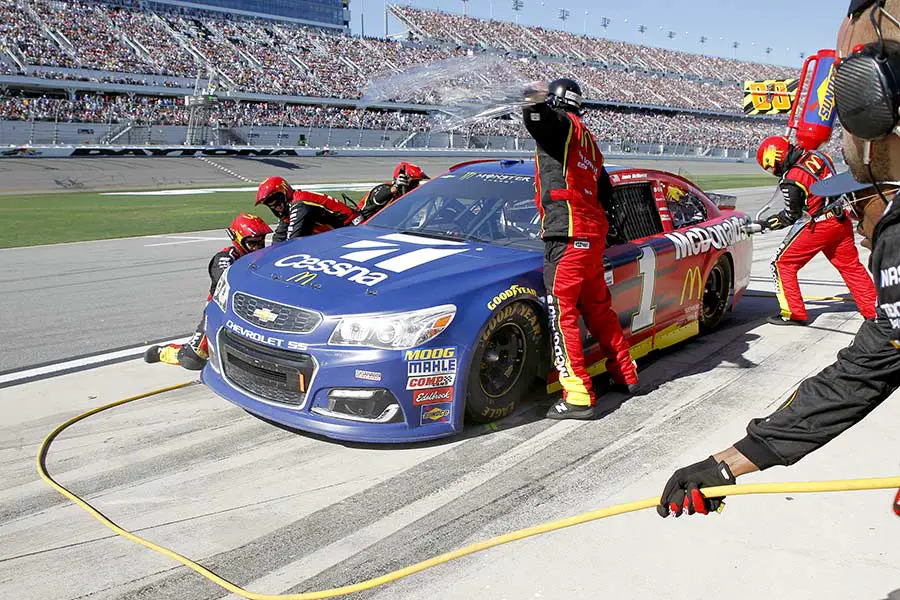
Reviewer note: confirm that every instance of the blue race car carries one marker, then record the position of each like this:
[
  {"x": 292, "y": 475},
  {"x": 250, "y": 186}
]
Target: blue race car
[{"x": 432, "y": 312}]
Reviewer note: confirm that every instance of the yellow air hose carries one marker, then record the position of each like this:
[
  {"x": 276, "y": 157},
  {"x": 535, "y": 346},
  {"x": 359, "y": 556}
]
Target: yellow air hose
[{"x": 711, "y": 492}]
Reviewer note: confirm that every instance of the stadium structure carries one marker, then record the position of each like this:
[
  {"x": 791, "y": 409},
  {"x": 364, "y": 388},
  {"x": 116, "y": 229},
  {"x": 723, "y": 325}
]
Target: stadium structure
[{"x": 288, "y": 73}]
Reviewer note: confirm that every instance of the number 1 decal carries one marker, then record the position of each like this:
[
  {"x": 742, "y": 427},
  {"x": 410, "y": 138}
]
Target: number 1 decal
[{"x": 646, "y": 313}]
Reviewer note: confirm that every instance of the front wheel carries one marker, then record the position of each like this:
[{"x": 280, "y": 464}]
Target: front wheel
[
  {"x": 716, "y": 294},
  {"x": 505, "y": 362}
]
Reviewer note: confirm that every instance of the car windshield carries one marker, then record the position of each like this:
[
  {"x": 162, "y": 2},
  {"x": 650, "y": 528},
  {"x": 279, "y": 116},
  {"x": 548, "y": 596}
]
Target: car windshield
[{"x": 496, "y": 208}]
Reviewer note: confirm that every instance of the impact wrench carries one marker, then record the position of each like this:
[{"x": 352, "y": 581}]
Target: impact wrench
[{"x": 711, "y": 492}]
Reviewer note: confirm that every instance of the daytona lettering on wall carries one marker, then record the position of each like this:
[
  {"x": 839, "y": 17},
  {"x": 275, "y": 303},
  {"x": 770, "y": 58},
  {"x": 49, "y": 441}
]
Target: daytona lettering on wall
[{"x": 432, "y": 396}]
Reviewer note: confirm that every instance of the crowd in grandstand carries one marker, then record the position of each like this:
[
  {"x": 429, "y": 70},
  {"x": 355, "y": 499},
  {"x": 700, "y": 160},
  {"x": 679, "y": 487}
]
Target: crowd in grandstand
[
  {"x": 131, "y": 44},
  {"x": 289, "y": 59},
  {"x": 609, "y": 125}
]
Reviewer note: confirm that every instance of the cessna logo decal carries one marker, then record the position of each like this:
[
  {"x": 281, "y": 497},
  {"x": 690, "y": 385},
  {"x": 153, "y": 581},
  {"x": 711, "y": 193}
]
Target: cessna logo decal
[
  {"x": 693, "y": 279},
  {"x": 390, "y": 248},
  {"x": 699, "y": 240}
]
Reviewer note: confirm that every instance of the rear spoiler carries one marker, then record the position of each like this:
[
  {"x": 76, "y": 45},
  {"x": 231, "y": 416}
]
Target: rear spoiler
[{"x": 726, "y": 201}]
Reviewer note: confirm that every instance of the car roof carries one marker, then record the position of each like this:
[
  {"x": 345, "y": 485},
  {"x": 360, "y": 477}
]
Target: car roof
[{"x": 509, "y": 167}]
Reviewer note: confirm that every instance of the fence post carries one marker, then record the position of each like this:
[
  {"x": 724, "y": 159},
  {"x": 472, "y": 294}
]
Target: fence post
[
  {"x": 31, "y": 136},
  {"x": 283, "y": 116},
  {"x": 56, "y": 123}
]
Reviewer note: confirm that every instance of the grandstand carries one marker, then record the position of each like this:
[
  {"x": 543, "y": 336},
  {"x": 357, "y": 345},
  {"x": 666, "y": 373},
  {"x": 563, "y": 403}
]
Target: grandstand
[{"x": 128, "y": 66}]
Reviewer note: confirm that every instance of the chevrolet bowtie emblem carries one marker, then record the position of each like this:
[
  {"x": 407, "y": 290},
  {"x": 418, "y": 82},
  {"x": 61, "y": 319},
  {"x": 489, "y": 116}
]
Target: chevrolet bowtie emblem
[{"x": 265, "y": 315}]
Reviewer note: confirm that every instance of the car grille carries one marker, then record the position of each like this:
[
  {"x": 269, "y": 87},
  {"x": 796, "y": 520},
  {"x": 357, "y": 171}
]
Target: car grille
[
  {"x": 274, "y": 316},
  {"x": 268, "y": 373}
]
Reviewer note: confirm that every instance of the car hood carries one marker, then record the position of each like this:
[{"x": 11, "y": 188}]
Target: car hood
[{"x": 363, "y": 269}]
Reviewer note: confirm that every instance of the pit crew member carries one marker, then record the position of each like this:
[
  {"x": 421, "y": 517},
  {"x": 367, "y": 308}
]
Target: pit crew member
[
  {"x": 867, "y": 371},
  {"x": 248, "y": 234},
  {"x": 302, "y": 213},
  {"x": 829, "y": 230},
  {"x": 573, "y": 189},
  {"x": 407, "y": 177}
]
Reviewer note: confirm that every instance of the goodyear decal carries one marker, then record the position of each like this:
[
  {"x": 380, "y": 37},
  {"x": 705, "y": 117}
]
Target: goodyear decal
[
  {"x": 510, "y": 292},
  {"x": 699, "y": 240}
]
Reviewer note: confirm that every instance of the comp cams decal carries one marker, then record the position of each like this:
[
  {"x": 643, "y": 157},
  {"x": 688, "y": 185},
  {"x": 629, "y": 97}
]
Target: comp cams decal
[
  {"x": 435, "y": 413},
  {"x": 699, "y": 240},
  {"x": 510, "y": 292},
  {"x": 430, "y": 381},
  {"x": 264, "y": 339}
]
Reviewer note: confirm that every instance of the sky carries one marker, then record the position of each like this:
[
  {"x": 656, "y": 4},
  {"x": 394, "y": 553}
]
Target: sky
[{"x": 788, "y": 27}]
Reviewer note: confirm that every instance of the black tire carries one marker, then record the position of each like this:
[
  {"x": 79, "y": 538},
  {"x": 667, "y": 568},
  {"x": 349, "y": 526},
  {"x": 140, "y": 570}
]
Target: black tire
[
  {"x": 505, "y": 362},
  {"x": 716, "y": 294}
]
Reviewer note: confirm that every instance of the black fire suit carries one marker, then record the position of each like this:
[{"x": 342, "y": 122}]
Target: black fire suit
[
  {"x": 193, "y": 354},
  {"x": 841, "y": 395},
  {"x": 310, "y": 213}
]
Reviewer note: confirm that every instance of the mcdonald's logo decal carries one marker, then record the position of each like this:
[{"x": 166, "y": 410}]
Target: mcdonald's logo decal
[{"x": 692, "y": 279}]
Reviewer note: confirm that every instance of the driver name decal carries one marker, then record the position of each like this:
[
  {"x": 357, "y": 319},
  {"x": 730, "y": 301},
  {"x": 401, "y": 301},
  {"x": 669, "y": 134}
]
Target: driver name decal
[{"x": 699, "y": 240}]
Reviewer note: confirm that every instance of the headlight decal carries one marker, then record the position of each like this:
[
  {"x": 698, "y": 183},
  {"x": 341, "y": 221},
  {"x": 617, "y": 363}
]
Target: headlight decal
[{"x": 393, "y": 331}]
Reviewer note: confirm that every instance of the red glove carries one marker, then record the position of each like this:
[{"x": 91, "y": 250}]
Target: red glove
[{"x": 897, "y": 504}]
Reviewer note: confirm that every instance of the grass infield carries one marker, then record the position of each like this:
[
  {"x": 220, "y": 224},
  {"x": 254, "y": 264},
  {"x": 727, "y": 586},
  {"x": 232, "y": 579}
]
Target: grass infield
[{"x": 72, "y": 217}]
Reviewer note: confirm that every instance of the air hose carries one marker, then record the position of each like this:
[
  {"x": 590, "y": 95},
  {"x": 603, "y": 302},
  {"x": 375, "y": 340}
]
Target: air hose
[{"x": 711, "y": 492}]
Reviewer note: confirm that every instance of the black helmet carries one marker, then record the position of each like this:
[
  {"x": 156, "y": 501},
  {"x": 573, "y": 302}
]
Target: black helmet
[{"x": 565, "y": 94}]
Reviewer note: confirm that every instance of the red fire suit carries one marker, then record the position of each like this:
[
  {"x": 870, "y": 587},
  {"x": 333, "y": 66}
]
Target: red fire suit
[
  {"x": 311, "y": 213},
  {"x": 572, "y": 188},
  {"x": 829, "y": 232}
]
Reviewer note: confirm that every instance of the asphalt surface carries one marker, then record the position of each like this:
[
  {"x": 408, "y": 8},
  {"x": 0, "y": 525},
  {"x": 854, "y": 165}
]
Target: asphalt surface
[
  {"x": 68, "y": 300},
  {"x": 278, "y": 512},
  {"x": 31, "y": 175}
]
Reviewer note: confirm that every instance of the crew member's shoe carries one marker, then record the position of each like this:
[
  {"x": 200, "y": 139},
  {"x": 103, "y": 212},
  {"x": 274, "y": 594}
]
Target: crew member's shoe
[
  {"x": 564, "y": 410},
  {"x": 169, "y": 354},
  {"x": 152, "y": 354},
  {"x": 780, "y": 320}
]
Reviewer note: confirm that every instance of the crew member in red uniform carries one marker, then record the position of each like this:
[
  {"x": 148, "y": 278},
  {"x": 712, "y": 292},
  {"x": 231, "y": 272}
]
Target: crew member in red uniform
[
  {"x": 573, "y": 190},
  {"x": 407, "y": 177},
  {"x": 829, "y": 230},
  {"x": 302, "y": 213},
  {"x": 248, "y": 234}
]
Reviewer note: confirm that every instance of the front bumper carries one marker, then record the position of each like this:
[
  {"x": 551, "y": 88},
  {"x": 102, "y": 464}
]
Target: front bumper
[{"x": 256, "y": 386}]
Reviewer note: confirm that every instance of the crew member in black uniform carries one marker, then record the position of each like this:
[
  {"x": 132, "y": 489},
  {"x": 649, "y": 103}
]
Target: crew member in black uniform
[
  {"x": 248, "y": 234},
  {"x": 407, "y": 177},
  {"x": 867, "y": 95}
]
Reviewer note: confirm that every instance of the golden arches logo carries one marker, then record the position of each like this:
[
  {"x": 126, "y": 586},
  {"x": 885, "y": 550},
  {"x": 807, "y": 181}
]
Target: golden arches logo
[
  {"x": 304, "y": 278},
  {"x": 692, "y": 279},
  {"x": 771, "y": 157},
  {"x": 675, "y": 194}
]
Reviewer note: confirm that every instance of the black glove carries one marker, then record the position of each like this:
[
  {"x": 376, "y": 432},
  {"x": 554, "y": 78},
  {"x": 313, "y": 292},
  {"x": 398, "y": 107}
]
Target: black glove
[
  {"x": 682, "y": 490},
  {"x": 402, "y": 181},
  {"x": 764, "y": 224}
]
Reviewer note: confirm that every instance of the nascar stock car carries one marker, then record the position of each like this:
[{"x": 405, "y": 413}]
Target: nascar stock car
[{"x": 432, "y": 312}]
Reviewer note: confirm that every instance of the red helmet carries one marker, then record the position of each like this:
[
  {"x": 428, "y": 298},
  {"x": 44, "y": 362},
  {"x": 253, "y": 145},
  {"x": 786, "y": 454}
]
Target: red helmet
[
  {"x": 248, "y": 233},
  {"x": 414, "y": 173},
  {"x": 276, "y": 193},
  {"x": 772, "y": 153}
]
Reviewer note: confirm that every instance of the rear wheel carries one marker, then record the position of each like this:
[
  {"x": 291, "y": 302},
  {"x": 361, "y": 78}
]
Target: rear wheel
[
  {"x": 504, "y": 363},
  {"x": 716, "y": 294}
]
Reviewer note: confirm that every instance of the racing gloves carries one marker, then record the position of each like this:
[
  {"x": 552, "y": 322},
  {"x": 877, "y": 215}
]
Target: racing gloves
[
  {"x": 897, "y": 504},
  {"x": 682, "y": 491}
]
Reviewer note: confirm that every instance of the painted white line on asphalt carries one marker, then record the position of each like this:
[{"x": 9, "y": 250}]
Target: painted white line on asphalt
[
  {"x": 319, "y": 187},
  {"x": 187, "y": 240},
  {"x": 79, "y": 363}
]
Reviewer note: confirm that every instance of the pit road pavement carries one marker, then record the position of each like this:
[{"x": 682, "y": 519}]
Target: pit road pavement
[{"x": 279, "y": 512}]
